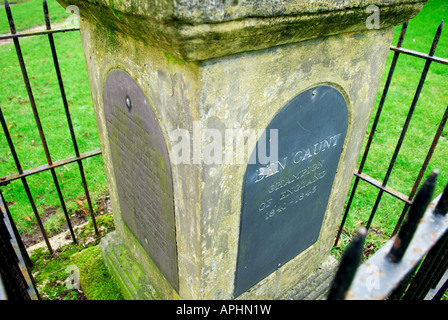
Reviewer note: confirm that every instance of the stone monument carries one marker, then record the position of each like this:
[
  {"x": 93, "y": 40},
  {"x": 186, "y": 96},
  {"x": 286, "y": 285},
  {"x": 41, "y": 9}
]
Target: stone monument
[{"x": 230, "y": 131}]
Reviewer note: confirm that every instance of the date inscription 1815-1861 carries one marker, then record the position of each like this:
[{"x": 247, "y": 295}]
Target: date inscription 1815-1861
[{"x": 284, "y": 202}]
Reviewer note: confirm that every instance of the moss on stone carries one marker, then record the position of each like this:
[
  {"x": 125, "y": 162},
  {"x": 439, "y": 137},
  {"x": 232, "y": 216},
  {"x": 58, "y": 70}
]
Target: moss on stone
[
  {"x": 94, "y": 275},
  {"x": 161, "y": 286},
  {"x": 173, "y": 60},
  {"x": 52, "y": 271},
  {"x": 196, "y": 31}
]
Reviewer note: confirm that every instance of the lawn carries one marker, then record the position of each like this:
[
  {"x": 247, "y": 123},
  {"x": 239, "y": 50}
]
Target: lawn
[
  {"x": 91, "y": 280},
  {"x": 19, "y": 117},
  {"x": 427, "y": 116},
  {"x": 29, "y": 14}
]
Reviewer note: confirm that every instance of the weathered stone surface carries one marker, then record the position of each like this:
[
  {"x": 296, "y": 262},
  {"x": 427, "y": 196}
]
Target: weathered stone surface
[
  {"x": 314, "y": 286},
  {"x": 129, "y": 272},
  {"x": 205, "y": 29},
  {"x": 133, "y": 282},
  {"x": 265, "y": 60},
  {"x": 242, "y": 91}
]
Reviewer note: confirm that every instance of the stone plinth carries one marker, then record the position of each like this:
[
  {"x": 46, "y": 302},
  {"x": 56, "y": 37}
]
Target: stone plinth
[{"x": 170, "y": 80}]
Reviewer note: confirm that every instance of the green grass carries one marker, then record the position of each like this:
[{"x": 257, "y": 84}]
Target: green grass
[
  {"x": 427, "y": 116},
  {"x": 52, "y": 271},
  {"x": 29, "y": 14},
  {"x": 16, "y": 108}
]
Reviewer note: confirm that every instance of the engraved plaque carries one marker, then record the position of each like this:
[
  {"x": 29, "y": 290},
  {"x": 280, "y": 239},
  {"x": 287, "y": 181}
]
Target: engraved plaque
[
  {"x": 284, "y": 203},
  {"x": 142, "y": 171}
]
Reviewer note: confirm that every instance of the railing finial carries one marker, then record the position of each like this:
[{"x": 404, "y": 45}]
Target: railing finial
[
  {"x": 348, "y": 266},
  {"x": 410, "y": 224},
  {"x": 442, "y": 206}
]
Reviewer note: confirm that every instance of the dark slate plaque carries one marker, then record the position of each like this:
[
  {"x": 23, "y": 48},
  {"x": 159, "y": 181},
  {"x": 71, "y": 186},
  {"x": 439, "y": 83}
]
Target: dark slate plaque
[
  {"x": 284, "y": 205},
  {"x": 142, "y": 170}
]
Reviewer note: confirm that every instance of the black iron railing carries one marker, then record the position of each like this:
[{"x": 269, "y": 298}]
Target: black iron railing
[
  {"x": 382, "y": 186},
  {"x": 50, "y": 165},
  {"x": 411, "y": 265},
  {"x": 14, "y": 257},
  {"x": 16, "y": 280}
]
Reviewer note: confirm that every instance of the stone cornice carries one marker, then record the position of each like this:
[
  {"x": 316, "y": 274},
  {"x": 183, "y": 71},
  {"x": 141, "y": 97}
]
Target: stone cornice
[{"x": 199, "y": 30}]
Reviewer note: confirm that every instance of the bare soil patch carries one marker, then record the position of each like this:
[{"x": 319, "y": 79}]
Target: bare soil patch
[{"x": 77, "y": 218}]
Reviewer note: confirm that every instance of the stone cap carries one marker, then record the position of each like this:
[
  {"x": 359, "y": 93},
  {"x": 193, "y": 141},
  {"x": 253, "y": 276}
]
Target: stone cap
[{"x": 204, "y": 29}]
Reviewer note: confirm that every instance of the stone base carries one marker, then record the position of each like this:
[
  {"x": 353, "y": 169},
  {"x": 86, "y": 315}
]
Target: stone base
[
  {"x": 316, "y": 285},
  {"x": 135, "y": 284},
  {"x": 126, "y": 271}
]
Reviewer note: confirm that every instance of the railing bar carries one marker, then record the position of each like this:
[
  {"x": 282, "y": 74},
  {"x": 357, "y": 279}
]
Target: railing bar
[
  {"x": 423, "y": 168},
  {"x": 441, "y": 291},
  {"x": 89, "y": 201},
  {"x": 420, "y": 279},
  {"x": 386, "y": 273},
  {"x": 7, "y": 179},
  {"x": 10, "y": 263},
  {"x": 430, "y": 279},
  {"x": 419, "y": 55},
  {"x": 430, "y": 153},
  {"x": 400, "y": 219},
  {"x": 347, "y": 209},
  {"x": 428, "y": 264},
  {"x": 36, "y": 115},
  {"x": 424, "y": 278},
  {"x": 441, "y": 267},
  {"x": 10, "y": 143},
  {"x": 347, "y": 267},
  {"x": 67, "y": 113},
  {"x": 64, "y": 208},
  {"x": 59, "y": 77},
  {"x": 406, "y": 124},
  {"x": 442, "y": 205},
  {"x": 35, "y": 33},
  {"x": 375, "y": 207},
  {"x": 24, "y": 182},
  {"x": 400, "y": 290},
  {"x": 383, "y": 97},
  {"x": 36, "y": 213},
  {"x": 412, "y": 220},
  {"x": 18, "y": 250},
  {"x": 27, "y": 82},
  {"x": 386, "y": 189},
  {"x": 372, "y": 131},
  {"x": 22, "y": 248}
]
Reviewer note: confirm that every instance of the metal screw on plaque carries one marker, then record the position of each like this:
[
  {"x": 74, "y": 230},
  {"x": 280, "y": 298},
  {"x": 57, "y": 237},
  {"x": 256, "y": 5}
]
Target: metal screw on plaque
[{"x": 128, "y": 103}]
